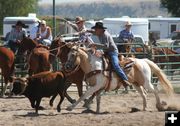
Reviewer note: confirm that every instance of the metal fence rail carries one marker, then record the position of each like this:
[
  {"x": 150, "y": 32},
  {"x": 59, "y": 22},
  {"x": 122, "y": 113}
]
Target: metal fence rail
[{"x": 172, "y": 74}]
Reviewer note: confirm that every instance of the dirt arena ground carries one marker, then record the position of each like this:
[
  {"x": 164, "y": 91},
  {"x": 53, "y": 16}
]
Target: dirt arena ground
[{"x": 115, "y": 111}]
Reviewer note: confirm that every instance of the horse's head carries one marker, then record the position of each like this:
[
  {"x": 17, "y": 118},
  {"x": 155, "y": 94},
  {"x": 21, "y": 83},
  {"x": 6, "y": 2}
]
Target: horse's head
[
  {"x": 56, "y": 48},
  {"x": 26, "y": 44},
  {"x": 74, "y": 59}
]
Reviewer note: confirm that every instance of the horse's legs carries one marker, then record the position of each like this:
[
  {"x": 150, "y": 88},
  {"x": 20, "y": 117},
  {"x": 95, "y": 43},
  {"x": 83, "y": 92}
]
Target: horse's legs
[
  {"x": 80, "y": 88},
  {"x": 61, "y": 100},
  {"x": 87, "y": 102},
  {"x": 10, "y": 89},
  {"x": 89, "y": 92},
  {"x": 68, "y": 84},
  {"x": 5, "y": 86},
  {"x": 98, "y": 100},
  {"x": 143, "y": 93},
  {"x": 151, "y": 88},
  {"x": 52, "y": 100}
]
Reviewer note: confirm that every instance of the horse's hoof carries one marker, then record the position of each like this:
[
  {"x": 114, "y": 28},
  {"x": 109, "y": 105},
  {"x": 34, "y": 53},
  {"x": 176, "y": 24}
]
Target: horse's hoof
[
  {"x": 73, "y": 101},
  {"x": 51, "y": 104},
  {"x": 69, "y": 108},
  {"x": 58, "y": 109},
  {"x": 86, "y": 105},
  {"x": 41, "y": 108}
]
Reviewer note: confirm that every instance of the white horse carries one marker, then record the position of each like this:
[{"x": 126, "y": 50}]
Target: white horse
[{"x": 139, "y": 76}]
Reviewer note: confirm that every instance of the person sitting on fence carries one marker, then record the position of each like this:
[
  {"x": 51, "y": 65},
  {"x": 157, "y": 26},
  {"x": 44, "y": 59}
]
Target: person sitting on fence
[
  {"x": 16, "y": 35},
  {"x": 126, "y": 35},
  {"x": 84, "y": 36},
  {"x": 44, "y": 34}
]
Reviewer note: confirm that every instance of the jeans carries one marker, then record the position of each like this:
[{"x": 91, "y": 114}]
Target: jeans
[
  {"x": 116, "y": 66},
  {"x": 13, "y": 45}
]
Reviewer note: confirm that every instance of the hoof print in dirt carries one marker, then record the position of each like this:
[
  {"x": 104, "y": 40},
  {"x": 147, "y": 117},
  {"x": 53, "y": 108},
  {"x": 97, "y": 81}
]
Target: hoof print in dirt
[{"x": 134, "y": 110}]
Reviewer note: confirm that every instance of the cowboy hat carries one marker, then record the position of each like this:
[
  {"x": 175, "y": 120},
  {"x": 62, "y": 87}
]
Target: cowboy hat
[
  {"x": 98, "y": 25},
  {"x": 43, "y": 22},
  {"x": 20, "y": 23},
  {"x": 79, "y": 19},
  {"x": 128, "y": 23}
]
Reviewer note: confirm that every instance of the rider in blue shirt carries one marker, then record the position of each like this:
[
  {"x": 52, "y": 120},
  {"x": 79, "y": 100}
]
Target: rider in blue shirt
[{"x": 126, "y": 34}]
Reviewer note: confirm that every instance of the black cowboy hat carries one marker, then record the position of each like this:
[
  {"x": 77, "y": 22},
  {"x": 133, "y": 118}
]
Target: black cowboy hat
[
  {"x": 20, "y": 23},
  {"x": 98, "y": 25}
]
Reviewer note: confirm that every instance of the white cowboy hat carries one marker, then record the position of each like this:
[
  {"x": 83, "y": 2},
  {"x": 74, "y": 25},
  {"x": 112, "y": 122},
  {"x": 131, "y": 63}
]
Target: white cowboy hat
[
  {"x": 79, "y": 19},
  {"x": 43, "y": 22},
  {"x": 128, "y": 23}
]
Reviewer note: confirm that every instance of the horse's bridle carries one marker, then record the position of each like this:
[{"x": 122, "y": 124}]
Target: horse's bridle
[{"x": 70, "y": 62}]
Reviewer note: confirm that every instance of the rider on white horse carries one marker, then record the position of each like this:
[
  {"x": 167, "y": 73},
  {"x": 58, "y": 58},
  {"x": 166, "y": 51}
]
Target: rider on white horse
[{"x": 108, "y": 45}]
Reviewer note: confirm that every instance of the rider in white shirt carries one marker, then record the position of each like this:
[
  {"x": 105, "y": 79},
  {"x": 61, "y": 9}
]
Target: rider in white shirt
[{"x": 44, "y": 34}]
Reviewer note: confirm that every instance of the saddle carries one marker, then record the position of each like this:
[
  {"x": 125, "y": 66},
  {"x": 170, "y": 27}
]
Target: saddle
[
  {"x": 108, "y": 69},
  {"x": 126, "y": 65}
]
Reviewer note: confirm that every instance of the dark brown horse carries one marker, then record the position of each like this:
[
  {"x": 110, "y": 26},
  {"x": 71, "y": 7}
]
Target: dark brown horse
[
  {"x": 60, "y": 49},
  {"x": 38, "y": 58},
  {"x": 7, "y": 67}
]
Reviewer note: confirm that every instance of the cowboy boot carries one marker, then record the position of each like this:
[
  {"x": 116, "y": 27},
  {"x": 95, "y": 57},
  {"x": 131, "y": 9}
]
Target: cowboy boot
[{"x": 126, "y": 85}]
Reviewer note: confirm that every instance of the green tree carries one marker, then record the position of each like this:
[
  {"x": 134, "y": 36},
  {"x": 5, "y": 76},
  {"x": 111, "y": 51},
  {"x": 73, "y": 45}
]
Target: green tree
[
  {"x": 173, "y": 6},
  {"x": 16, "y": 8}
]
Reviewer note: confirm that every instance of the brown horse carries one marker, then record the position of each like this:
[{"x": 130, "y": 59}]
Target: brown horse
[
  {"x": 162, "y": 55},
  {"x": 7, "y": 67},
  {"x": 126, "y": 47},
  {"x": 38, "y": 58},
  {"x": 60, "y": 49}
]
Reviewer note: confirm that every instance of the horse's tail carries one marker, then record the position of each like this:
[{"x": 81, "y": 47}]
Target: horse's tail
[{"x": 161, "y": 76}]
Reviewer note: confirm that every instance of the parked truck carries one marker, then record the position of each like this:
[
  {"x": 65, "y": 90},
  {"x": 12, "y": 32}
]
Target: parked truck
[{"x": 139, "y": 28}]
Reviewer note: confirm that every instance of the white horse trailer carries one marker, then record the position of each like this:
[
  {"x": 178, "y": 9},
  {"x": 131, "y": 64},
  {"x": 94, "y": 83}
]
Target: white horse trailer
[
  {"x": 139, "y": 26},
  {"x": 163, "y": 27},
  {"x": 9, "y": 22}
]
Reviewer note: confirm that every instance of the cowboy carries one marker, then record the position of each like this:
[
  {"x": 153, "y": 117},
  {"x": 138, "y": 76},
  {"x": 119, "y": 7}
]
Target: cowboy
[
  {"x": 109, "y": 47},
  {"x": 126, "y": 35},
  {"x": 44, "y": 34},
  {"x": 16, "y": 35},
  {"x": 80, "y": 27}
]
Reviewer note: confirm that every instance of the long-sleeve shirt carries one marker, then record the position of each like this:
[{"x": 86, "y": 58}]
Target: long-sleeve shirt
[
  {"x": 84, "y": 36},
  {"x": 76, "y": 27},
  {"x": 108, "y": 42},
  {"x": 124, "y": 34},
  {"x": 15, "y": 35}
]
